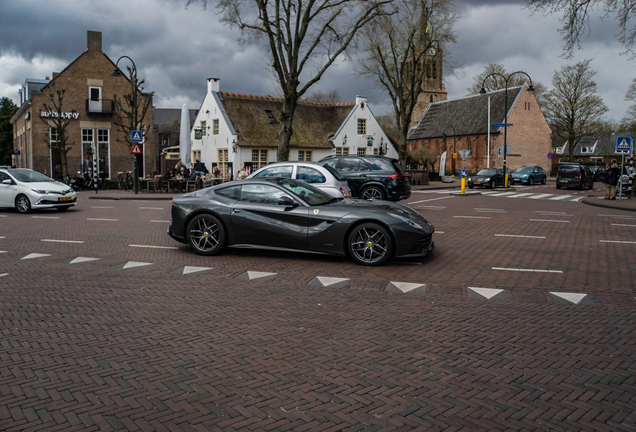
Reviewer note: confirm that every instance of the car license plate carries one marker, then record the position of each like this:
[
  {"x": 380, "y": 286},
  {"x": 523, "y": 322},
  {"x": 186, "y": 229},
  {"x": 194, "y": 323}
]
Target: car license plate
[
  {"x": 563, "y": 181},
  {"x": 476, "y": 182},
  {"x": 66, "y": 199},
  {"x": 407, "y": 178}
]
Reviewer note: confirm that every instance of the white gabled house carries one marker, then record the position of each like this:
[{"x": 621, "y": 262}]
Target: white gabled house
[{"x": 234, "y": 130}]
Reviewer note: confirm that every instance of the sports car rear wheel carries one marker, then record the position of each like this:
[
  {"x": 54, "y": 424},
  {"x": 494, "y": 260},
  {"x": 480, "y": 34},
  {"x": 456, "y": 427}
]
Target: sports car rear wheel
[
  {"x": 370, "y": 244},
  {"x": 206, "y": 235}
]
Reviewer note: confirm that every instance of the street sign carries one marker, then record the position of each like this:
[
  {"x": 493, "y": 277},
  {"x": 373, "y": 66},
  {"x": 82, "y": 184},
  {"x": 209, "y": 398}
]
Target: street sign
[
  {"x": 623, "y": 144},
  {"x": 135, "y": 149},
  {"x": 550, "y": 155},
  {"x": 463, "y": 173},
  {"x": 16, "y": 152},
  {"x": 464, "y": 154},
  {"x": 135, "y": 136},
  {"x": 500, "y": 124}
]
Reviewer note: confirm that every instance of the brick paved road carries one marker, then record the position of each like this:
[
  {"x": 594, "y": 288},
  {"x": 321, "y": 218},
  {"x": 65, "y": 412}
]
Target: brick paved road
[{"x": 94, "y": 346}]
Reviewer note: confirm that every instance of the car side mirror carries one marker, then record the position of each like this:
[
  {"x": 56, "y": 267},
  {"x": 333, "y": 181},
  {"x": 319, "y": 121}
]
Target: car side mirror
[
  {"x": 7, "y": 181},
  {"x": 287, "y": 201}
]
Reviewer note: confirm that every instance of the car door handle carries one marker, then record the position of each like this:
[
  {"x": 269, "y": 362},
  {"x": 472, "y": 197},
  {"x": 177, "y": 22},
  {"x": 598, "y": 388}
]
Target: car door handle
[{"x": 236, "y": 210}]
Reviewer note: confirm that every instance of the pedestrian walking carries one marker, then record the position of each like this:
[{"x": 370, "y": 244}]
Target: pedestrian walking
[
  {"x": 605, "y": 180},
  {"x": 614, "y": 175}
]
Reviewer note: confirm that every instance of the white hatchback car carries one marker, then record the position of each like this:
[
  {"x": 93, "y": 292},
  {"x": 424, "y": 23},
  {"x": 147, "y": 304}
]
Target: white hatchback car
[
  {"x": 324, "y": 178},
  {"x": 25, "y": 189}
]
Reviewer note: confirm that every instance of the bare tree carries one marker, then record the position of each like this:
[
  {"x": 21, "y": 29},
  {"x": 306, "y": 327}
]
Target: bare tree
[
  {"x": 573, "y": 107},
  {"x": 398, "y": 49},
  {"x": 131, "y": 111},
  {"x": 298, "y": 35},
  {"x": 496, "y": 82},
  {"x": 57, "y": 120},
  {"x": 576, "y": 19},
  {"x": 320, "y": 97}
]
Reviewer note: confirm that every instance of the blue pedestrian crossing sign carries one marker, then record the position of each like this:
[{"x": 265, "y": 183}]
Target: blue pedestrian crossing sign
[
  {"x": 623, "y": 144},
  {"x": 463, "y": 173},
  {"x": 135, "y": 136}
]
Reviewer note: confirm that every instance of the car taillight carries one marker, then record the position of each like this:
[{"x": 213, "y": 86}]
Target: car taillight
[
  {"x": 397, "y": 176},
  {"x": 343, "y": 193}
]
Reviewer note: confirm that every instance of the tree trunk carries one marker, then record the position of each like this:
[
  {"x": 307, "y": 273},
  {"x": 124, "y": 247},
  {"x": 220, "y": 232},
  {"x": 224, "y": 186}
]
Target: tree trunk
[
  {"x": 64, "y": 162},
  {"x": 286, "y": 130}
]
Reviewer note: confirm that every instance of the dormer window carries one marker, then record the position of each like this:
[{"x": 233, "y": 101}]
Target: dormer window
[{"x": 271, "y": 117}]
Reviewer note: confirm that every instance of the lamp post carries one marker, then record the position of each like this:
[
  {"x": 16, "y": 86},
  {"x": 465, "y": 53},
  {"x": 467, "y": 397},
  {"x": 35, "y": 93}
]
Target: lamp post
[
  {"x": 483, "y": 91},
  {"x": 134, "y": 123},
  {"x": 454, "y": 144}
]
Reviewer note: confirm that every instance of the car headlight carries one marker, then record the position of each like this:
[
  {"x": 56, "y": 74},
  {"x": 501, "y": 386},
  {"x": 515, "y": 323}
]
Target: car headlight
[
  {"x": 470, "y": 179},
  {"x": 407, "y": 221},
  {"x": 487, "y": 179},
  {"x": 41, "y": 192}
]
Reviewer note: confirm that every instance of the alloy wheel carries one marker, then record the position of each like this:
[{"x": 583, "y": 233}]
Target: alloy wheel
[{"x": 370, "y": 244}]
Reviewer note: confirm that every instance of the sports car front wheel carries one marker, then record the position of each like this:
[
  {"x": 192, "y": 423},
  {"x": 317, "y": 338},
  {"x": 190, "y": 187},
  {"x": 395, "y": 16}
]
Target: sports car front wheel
[
  {"x": 206, "y": 235},
  {"x": 370, "y": 244}
]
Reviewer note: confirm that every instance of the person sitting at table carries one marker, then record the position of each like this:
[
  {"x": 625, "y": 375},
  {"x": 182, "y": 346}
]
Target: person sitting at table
[{"x": 198, "y": 169}]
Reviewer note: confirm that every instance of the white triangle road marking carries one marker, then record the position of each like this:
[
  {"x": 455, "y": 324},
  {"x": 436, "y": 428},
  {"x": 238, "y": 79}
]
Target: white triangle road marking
[
  {"x": 35, "y": 255},
  {"x": 406, "y": 286},
  {"x": 192, "y": 269},
  {"x": 83, "y": 259},
  {"x": 258, "y": 275},
  {"x": 328, "y": 281},
  {"x": 571, "y": 297},
  {"x": 486, "y": 292},
  {"x": 133, "y": 264}
]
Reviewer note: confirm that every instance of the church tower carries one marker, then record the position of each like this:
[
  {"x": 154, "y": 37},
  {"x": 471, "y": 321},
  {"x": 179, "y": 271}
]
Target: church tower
[{"x": 433, "y": 87}]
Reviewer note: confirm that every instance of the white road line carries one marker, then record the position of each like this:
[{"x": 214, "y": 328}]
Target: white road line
[
  {"x": 432, "y": 199},
  {"x": 104, "y": 220},
  {"x": 4, "y": 274},
  {"x": 612, "y": 224},
  {"x": 617, "y": 241},
  {"x": 150, "y": 208},
  {"x": 473, "y": 217},
  {"x": 3, "y": 215},
  {"x": 485, "y": 210},
  {"x": 551, "y": 213},
  {"x": 548, "y": 220},
  {"x": 61, "y": 241},
  {"x": 540, "y": 196},
  {"x": 521, "y": 195},
  {"x": 520, "y": 236},
  {"x": 102, "y": 207},
  {"x": 618, "y": 217},
  {"x": 2, "y": 237},
  {"x": 45, "y": 217},
  {"x": 502, "y": 193},
  {"x": 562, "y": 197},
  {"x": 439, "y": 232},
  {"x": 526, "y": 270},
  {"x": 432, "y": 207},
  {"x": 488, "y": 209},
  {"x": 160, "y": 221},
  {"x": 153, "y": 247}
]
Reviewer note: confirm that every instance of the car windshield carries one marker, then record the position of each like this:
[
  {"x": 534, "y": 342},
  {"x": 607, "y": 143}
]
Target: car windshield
[
  {"x": 525, "y": 169},
  {"x": 569, "y": 169},
  {"x": 487, "y": 172},
  {"x": 28, "y": 176},
  {"x": 311, "y": 195}
]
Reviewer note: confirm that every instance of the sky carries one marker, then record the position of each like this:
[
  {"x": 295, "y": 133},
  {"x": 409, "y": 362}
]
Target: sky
[{"x": 175, "y": 49}]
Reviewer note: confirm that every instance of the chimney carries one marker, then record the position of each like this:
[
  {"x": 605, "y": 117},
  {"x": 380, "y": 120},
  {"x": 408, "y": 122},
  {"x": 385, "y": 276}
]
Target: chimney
[
  {"x": 361, "y": 100},
  {"x": 94, "y": 40},
  {"x": 213, "y": 84}
]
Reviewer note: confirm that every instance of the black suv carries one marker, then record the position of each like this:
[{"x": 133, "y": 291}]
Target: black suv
[
  {"x": 573, "y": 175},
  {"x": 372, "y": 177}
]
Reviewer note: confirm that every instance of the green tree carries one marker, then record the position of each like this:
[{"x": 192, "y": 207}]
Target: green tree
[
  {"x": 7, "y": 110},
  {"x": 303, "y": 39},
  {"x": 58, "y": 121},
  {"x": 399, "y": 47},
  {"x": 496, "y": 82},
  {"x": 628, "y": 122},
  {"x": 576, "y": 19},
  {"x": 573, "y": 107}
]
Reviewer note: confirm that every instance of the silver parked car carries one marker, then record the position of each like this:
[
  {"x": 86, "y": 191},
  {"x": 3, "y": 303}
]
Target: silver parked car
[
  {"x": 25, "y": 189},
  {"x": 324, "y": 178}
]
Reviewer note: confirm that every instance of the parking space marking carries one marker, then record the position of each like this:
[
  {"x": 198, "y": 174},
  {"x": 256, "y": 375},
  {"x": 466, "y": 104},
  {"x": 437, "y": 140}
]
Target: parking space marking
[
  {"x": 520, "y": 236},
  {"x": 473, "y": 217},
  {"x": 521, "y": 195},
  {"x": 35, "y": 255},
  {"x": 552, "y": 213},
  {"x": 150, "y": 208},
  {"x": 160, "y": 221},
  {"x": 624, "y": 225},
  {"x": 548, "y": 220},
  {"x": 133, "y": 264},
  {"x": 617, "y": 241},
  {"x": 45, "y": 217},
  {"x": 487, "y": 210},
  {"x": 152, "y": 247},
  {"x": 2, "y": 237},
  {"x": 526, "y": 270},
  {"x": 618, "y": 217},
  {"x": 83, "y": 259},
  {"x": 432, "y": 199},
  {"x": 4, "y": 274},
  {"x": 540, "y": 196},
  {"x": 62, "y": 241},
  {"x": 102, "y": 207},
  {"x": 103, "y": 220},
  {"x": 3, "y": 215}
]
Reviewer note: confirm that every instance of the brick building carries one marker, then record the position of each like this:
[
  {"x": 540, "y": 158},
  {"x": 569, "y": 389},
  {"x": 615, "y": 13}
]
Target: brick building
[
  {"x": 433, "y": 88},
  {"x": 462, "y": 124},
  {"x": 89, "y": 91}
]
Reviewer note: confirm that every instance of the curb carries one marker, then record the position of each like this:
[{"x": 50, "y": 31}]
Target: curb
[{"x": 597, "y": 203}]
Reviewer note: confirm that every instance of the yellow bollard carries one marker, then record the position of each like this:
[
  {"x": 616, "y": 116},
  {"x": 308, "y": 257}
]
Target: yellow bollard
[{"x": 463, "y": 184}]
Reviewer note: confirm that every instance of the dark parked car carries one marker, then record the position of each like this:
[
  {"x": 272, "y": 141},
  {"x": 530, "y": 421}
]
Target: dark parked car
[
  {"x": 286, "y": 214},
  {"x": 530, "y": 174},
  {"x": 489, "y": 177},
  {"x": 573, "y": 175},
  {"x": 372, "y": 177}
]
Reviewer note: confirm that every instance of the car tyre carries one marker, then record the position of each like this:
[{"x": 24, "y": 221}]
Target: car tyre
[
  {"x": 544, "y": 180},
  {"x": 591, "y": 185},
  {"x": 22, "y": 203},
  {"x": 492, "y": 184},
  {"x": 370, "y": 244},
  {"x": 530, "y": 181},
  {"x": 471, "y": 187},
  {"x": 206, "y": 235},
  {"x": 558, "y": 186},
  {"x": 372, "y": 192}
]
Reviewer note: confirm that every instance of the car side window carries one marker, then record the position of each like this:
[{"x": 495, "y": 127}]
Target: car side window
[
  {"x": 278, "y": 171},
  {"x": 353, "y": 165},
  {"x": 333, "y": 163},
  {"x": 232, "y": 192},
  {"x": 310, "y": 175},
  {"x": 4, "y": 176},
  {"x": 261, "y": 194}
]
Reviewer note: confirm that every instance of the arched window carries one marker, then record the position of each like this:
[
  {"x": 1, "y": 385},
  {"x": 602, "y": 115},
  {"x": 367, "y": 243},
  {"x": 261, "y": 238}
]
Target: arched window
[{"x": 469, "y": 144}]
